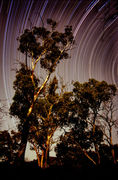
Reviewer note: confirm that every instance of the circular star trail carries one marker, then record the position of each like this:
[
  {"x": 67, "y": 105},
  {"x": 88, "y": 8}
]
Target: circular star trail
[{"x": 95, "y": 28}]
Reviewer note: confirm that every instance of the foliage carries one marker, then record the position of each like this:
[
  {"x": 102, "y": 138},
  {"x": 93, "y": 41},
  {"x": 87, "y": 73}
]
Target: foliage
[
  {"x": 51, "y": 110},
  {"x": 48, "y": 47},
  {"x": 9, "y": 145},
  {"x": 51, "y": 45},
  {"x": 93, "y": 93},
  {"x": 24, "y": 93},
  {"x": 86, "y": 133},
  {"x": 42, "y": 108}
]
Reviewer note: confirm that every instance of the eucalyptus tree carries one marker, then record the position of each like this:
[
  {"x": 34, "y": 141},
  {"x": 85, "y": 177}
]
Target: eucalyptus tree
[
  {"x": 53, "y": 112},
  {"x": 109, "y": 121},
  {"x": 9, "y": 146},
  {"x": 86, "y": 132},
  {"x": 93, "y": 94},
  {"x": 48, "y": 47},
  {"x": 22, "y": 99}
]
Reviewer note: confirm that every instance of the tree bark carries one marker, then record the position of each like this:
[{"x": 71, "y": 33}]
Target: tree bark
[
  {"x": 26, "y": 59},
  {"x": 86, "y": 154},
  {"x": 47, "y": 153},
  {"x": 96, "y": 146},
  {"x": 113, "y": 155},
  {"x": 25, "y": 132},
  {"x": 111, "y": 144},
  {"x": 38, "y": 158},
  {"x": 98, "y": 154},
  {"x": 42, "y": 159}
]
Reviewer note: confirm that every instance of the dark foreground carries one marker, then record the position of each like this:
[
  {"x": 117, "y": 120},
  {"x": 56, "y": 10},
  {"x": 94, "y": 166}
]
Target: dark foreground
[{"x": 29, "y": 171}]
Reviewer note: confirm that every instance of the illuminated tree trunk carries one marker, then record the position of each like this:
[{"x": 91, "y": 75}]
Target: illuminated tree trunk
[
  {"x": 47, "y": 157},
  {"x": 86, "y": 154},
  {"x": 38, "y": 158},
  {"x": 42, "y": 158},
  {"x": 21, "y": 153},
  {"x": 48, "y": 143},
  {"x": 25, "y": 131},
  {"x": 47, "y": 152}
]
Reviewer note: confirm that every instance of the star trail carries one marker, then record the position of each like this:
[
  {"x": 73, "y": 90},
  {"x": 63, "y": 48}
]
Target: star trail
[{"x": 95, "y": 28}]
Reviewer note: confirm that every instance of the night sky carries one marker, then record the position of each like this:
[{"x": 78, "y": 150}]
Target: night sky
[{"x": 95, "y": 28}]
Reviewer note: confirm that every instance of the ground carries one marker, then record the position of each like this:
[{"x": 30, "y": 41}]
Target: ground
[{"x": 32, "y": 171}]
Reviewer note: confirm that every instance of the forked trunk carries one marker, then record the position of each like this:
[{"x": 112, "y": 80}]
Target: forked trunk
[{"x": 25, "y": 131}]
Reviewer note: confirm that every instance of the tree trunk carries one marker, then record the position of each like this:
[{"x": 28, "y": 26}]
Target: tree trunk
[
  {"x": 94, "y": 121},
  {"x": 96, "y": 146},
  {"x": 24, "y": 137},
  {"x": 98, "y": 154},
  {"x": 47, "y": 153},
  {"x": 25, "y": 130},
  {"x": 86, "y": 154},
  {"x": 26, "y": 59},
  {"x": 113, "y": 155},
  {"x": 38, "y": 158},
  {"x": 42, "y": 159},
  {"x": 112, "y": 149},
  {"x": 47, "y": 158}
]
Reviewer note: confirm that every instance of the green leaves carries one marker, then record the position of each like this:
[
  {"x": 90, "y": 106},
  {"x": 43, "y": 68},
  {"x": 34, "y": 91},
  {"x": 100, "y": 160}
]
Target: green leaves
[
  {"x": 9, "y": 145},
  {"x": 93, "y": 92},
  {"x": 50, "y": 45},
  {"x": 82, "y": 116},
  {"x": 52, "y": 23},
  {"x": 24, "y": 93}
]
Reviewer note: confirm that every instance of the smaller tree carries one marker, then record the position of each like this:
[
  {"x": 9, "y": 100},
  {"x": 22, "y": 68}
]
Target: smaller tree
[
  {"x": 86, "y": 134},
  {"x": 108, "y": 121},
  {"x": 9, "y": 145},
  {"x": 5, "y": 146},
  {"x": 92, "y": 95}
]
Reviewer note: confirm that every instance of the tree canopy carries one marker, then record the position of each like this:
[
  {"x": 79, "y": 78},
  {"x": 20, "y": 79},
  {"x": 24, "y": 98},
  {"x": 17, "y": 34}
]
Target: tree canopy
[
  {"x": 85, "y": 114},
  {"x": 48, "y": 47},
  {"x": 86, "y": 134}
]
